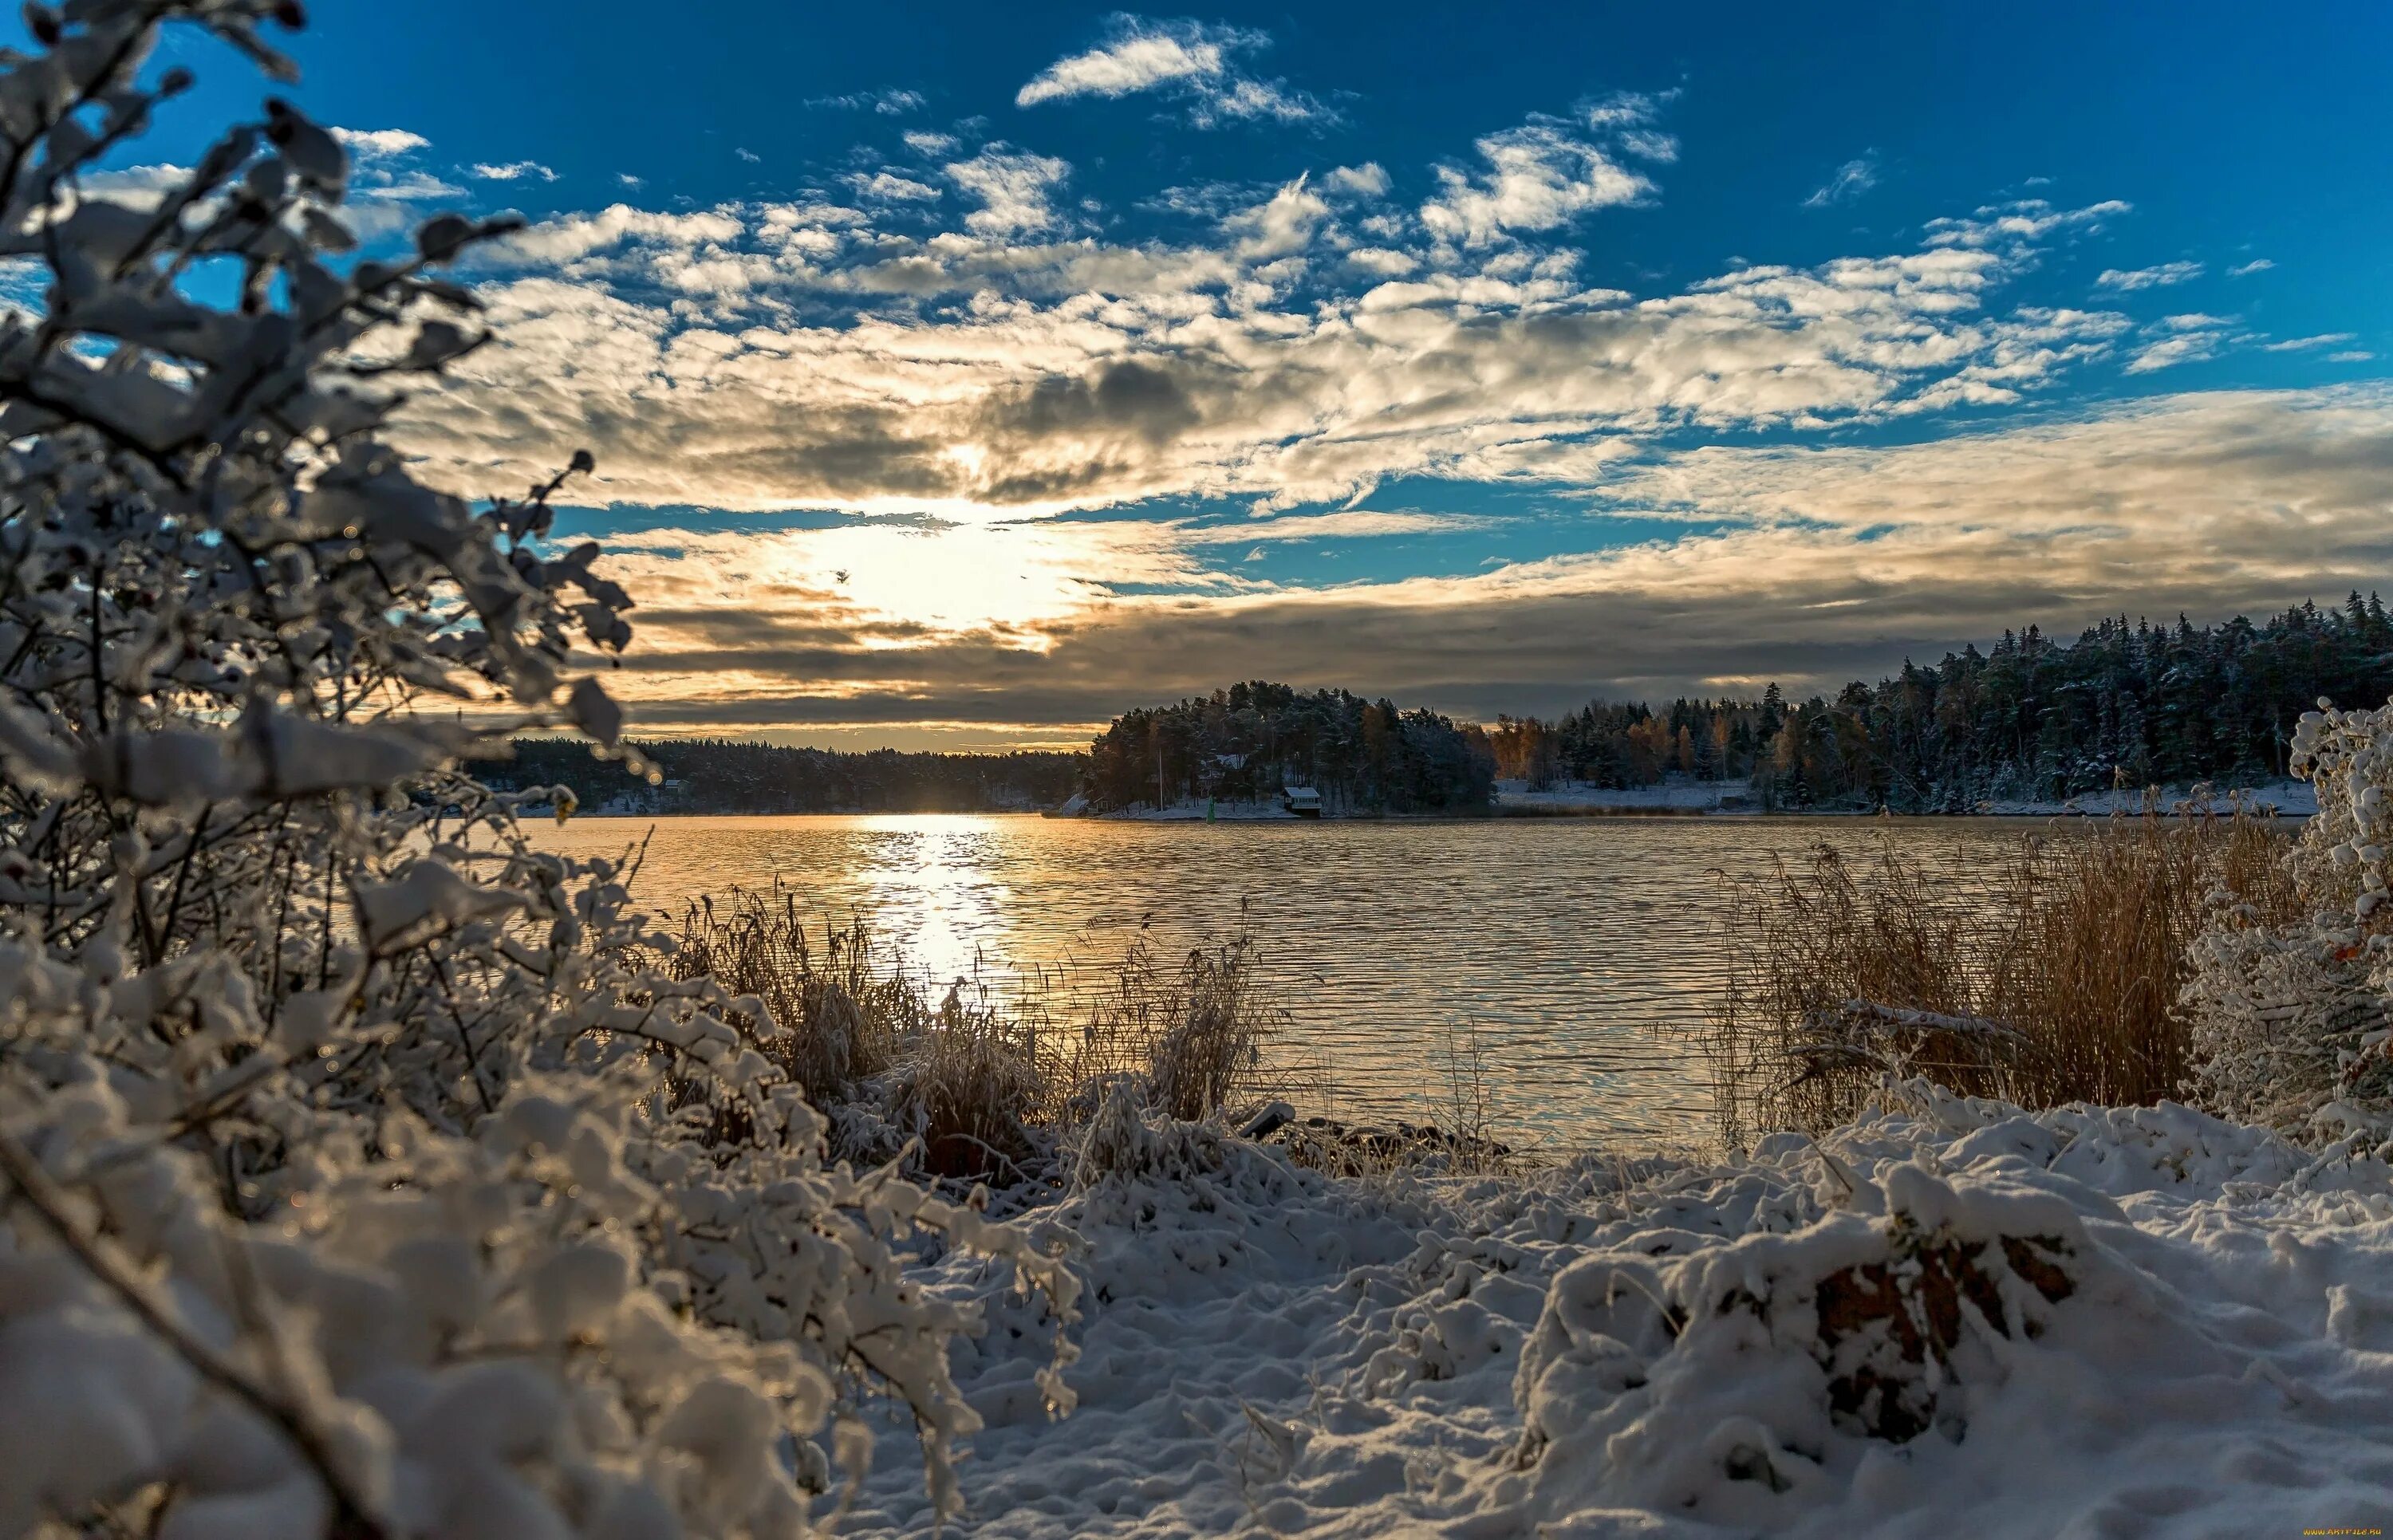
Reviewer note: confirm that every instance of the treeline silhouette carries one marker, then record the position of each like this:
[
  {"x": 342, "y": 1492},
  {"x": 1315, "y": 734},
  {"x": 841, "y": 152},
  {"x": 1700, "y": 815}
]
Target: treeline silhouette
[
  {"x": 1249, "y": 740},
  {"x": 2125, "y": 706},
  {"x": 724, "y": 775}
]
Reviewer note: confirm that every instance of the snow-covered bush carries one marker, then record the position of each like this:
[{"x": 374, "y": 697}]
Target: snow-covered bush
[
  {"x": 2292, "y": 1025},
  {"x": 1860, "y": 1325},
  {"x": 359, "y": 1172}
]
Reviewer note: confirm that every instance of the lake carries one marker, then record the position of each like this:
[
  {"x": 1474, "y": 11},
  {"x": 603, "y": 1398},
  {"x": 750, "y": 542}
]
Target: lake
[{"x": 1578, "y": 951}]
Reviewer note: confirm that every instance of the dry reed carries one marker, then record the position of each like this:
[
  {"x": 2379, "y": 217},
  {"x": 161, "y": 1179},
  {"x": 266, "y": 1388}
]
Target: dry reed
[
  {"x": 977, "y": 1083},
  {"x": 1195, "y": 1031},
  {"x": 841, "y": 1012},
  {"x": 2053, "y": 977}
]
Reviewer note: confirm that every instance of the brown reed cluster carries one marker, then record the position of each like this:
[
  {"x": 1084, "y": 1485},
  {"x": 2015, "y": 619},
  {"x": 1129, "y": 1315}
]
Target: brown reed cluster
[
  {"x": 980, "y": 1079},
  {"x": 2052, "y": 976}
]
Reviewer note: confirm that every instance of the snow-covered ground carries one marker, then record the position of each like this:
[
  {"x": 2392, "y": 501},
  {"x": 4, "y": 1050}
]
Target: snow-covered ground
[
  {"x": 1197, "y": 809},
  {"x": 1691, "y": 796},
  {"x": 1949, "y": 1319},
  {"x": 2292, "y": 798}
]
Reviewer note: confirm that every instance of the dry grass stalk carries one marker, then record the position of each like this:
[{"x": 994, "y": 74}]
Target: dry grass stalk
[
  {"x": 2055, "y": 978},
  {"x": 974, "y": 1091},
  {"x": 1193, "y": 1032},
  {"x": 842, "y": 1014},
  {"x": 973, "y": 1082}
]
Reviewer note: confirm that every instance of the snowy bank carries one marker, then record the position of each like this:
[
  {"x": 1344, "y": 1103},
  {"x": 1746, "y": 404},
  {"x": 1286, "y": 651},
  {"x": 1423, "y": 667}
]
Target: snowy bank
[
  {"x": 1668, "y": 796},
  {"x": 1202, "y": 810},
  {"x": 1717, "y": 798},
  {"x": 2289, "y": 798},
  {"x": 1949, "y": 1318}
]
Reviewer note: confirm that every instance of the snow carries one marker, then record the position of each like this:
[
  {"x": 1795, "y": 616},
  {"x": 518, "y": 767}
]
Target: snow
[
  {"x": 1674, "y": 795},
  {"x": 1951, "y": 1317},
  {"x": 2292, "y": 798},
  {"x": 1718, "y": 799},
  {"x": 2289, "y": 798},
  {"x": 1202, "y": 810}
]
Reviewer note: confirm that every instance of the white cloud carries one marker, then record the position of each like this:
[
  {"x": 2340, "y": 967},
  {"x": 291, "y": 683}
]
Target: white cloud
[
  {"x": 1189, "y": 60},
  {"x": 380, "y": 143},
  {"x": 1540, "y": 176},
  {"x": 2217, "y": 478},
  {"x": 746, "y": 154},
  {"x": 1347, "y": 524},
  {"x": 1380, "y": 260},
  {"x": 1283, "y": 224},
  {"x": 2353, "y": 356},
  {"x": 513, "y": 171},
  {"x": 2167, "y": 353},
  {"x": 560, "y": 242},
  {"x": 885, "y": 186},
  {"x": 889, "y": 103},
  {"x": 141, "y": 186},
  {"x": 1244, "y": 100},
  {"x": 2020, "y": 222},
  {"x": 1849, "y": 181},
  {"x": 1012, "y": 189},
  {"x": 1367, "y": 180},
  {"x": 2244, "y": 269},
  {"x": 1007, "y": 369},
  {"x": 1144, "y": 57},
  {"x": 2296, "y": 344},
  {"x": 627, "y": 180},
  {"x": 2190, "y": 338},
  {"x": 925, "y": 143},
  {"x": 2163, "y": 276}
]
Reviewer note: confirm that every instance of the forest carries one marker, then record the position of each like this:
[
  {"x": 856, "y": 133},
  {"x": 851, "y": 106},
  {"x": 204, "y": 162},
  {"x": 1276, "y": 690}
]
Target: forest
[
  {"x": 723, "y": 775},
  {"x": 1245, "y": 742},
  {"x": 2126, "y": 705}
]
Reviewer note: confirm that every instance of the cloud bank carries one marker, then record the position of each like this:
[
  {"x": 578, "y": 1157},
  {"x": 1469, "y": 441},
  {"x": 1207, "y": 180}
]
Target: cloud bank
[
  {"x": 942, "y": 450},
  {"x": 1821, "y": 564}
]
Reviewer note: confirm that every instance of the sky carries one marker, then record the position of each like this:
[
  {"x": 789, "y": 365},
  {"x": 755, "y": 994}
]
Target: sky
[{"x": 960, "y": 376}]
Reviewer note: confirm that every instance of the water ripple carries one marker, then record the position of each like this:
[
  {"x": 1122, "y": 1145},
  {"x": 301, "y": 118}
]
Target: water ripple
[{"x": 1579, "y": 949}]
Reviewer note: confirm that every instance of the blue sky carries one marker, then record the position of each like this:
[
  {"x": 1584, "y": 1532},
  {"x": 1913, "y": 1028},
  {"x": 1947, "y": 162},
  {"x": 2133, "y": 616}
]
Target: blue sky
[{"x": 961, "y": 375}]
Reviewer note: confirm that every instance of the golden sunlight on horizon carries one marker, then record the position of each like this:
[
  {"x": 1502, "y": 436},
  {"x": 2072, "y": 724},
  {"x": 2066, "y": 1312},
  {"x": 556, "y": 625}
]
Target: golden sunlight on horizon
[{"x": 897, "y": 581}]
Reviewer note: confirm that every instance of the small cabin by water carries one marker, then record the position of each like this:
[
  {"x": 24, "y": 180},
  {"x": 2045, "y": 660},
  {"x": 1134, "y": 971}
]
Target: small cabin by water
[{"x": 1302, "y": 800}]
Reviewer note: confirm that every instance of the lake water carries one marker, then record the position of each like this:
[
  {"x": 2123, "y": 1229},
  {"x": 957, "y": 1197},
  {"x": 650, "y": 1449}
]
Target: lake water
[{"x": 1579, "y": 951}]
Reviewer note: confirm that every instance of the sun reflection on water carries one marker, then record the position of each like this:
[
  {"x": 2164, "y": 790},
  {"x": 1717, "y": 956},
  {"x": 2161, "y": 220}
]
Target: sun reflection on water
[{"x": 932, "y": 880}]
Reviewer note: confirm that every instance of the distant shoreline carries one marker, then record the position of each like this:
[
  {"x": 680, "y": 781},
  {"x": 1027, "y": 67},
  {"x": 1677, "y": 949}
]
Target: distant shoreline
[
  {"x": 1721, "y": 800},
  {"x": 2286, "y": 799},
  {"x": 1496, "y": 814}
]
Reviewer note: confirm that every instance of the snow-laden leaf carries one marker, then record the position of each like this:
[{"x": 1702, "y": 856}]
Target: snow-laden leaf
[
  {"x": 33, "y": 754},
  {"x": 593, "y": 712},
  {"x": 312, "y": 152},
  {"x": 431, "y": 897}
]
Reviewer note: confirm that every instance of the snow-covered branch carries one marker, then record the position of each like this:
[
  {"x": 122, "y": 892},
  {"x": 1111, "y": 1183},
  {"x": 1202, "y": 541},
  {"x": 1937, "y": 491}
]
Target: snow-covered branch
[{"x": 358, "y": 1173}]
